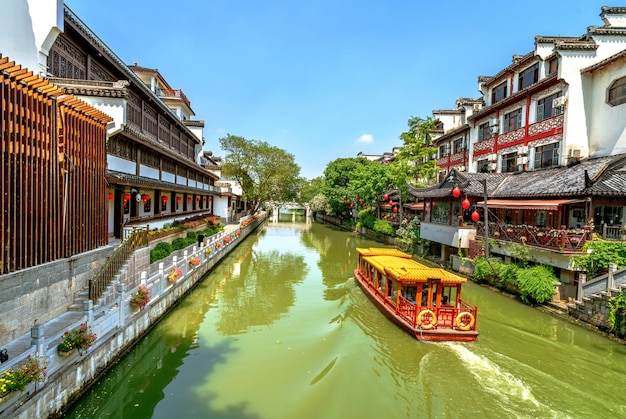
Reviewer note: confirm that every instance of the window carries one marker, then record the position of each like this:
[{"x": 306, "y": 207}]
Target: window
[
  {"x": 443, "y": 150},
  {"x": 545, "y": 109},
  {"x": 513, "y": 120},
  {"x": 553, "y": 65},
  {"x": 617, "y": 92},
  {"x": 498, "y": 93},
  {"x": 547, "y": 156},
  {"x": 483, "y": 166},
  {"x": 607, "y": 215},
  {"x": 458, "y": 145},
  {"x": 483, "y": 132},
  {"x": 509, "y": 162},
  {"x": 528, "y": 76}
]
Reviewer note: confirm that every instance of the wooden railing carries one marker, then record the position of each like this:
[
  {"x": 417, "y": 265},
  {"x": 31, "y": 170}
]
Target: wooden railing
[
  {"x": 613, "y": 232},
  {"x": 446, "y": 315},
  {"x": 137, "y": 238},
  {"x": 560, "y": 240}
]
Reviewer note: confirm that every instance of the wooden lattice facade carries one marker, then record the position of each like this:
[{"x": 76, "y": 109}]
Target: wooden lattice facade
[{"x": 52, "y": 177}]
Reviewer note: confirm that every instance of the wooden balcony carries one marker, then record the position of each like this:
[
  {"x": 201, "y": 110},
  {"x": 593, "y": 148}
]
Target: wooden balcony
[{"x": 556, "y": 240}]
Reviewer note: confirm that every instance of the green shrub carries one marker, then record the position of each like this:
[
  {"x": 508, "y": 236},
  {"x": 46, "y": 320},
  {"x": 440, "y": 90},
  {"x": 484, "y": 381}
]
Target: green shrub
[
  {"x": 179, "y": 243},
  {"x": 192, "y": 235},
  {"x": 536, "y": 284},
  {"x": 367, "y": 219},
  {"x": 160, "y": 251},
  {"x": 483, "y": 272},
  {"x": 383, "y": 227},
  {"x": 508, "y": 274}
]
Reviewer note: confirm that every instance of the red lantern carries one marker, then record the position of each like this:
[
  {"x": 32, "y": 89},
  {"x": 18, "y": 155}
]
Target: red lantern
[
  {"x": 344, "y": 197},
  {"x": 126, "y": 197},
  {"x": 164, "y": 198},
  {"x": 189, "y": 199},
  {"x": 361, "y": 202},
  {"x": 465, "y": 204},
  {"x": 348, "y": 201},
  {"x": 110, "y": 195},
  {"x": 356, "y": 197},
  {"x": 456, "y": 192},
  {"x": 475, "y": 216},
  {"x": 178, "y": 199},
  {"x": 386, "y": 197},
  {"x": 390, "y": 203},
  {"x": 351, "y": 206},
  {"x": 395, "y": 209}
]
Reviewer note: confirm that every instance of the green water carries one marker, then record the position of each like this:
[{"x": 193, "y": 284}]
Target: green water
[{"x": 281, "y": 330}]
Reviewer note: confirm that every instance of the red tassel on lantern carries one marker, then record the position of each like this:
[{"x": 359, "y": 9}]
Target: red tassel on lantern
[{"x": 475, "y": 216}]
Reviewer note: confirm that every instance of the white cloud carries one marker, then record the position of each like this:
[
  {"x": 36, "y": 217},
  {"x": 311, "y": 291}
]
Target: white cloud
[{"x": 365, "y": 139}]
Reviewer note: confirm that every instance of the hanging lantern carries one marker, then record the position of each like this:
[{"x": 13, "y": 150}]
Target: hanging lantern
[
  {"x": 178, "y": 199},
  {"x": 361, "y": 202},
  {"x": 344, "y": 197},
  {"x": 390, "y": 203},
  {"x": 351, "y": 206},
  {"x": 356, "y": 198},
  {"x": 347, "y": 201},
  {"x": 126, "y": 197},
  {"x": 386, "y": 197},
  {"x": 164, "y": 198},
  {"x": 145, "y": 198},
  {"x": 465, "y": 204},
  {"x": 189, "y": 199},
  {"x": 110, "y": 195},
  {"x": 395, "y": 209},
  {"x": 475, "y": 216},
  {"x": 456, "y": 192}
]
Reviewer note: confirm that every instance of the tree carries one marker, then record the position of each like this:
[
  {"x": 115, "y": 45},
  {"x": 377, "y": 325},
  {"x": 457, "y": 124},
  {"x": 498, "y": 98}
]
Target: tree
[
  {"x": 265, "y": 173},
  {"x": 352, "y": 177},
  {"x": 310, "y": 188},
  {"x": 414, "y": 158}
]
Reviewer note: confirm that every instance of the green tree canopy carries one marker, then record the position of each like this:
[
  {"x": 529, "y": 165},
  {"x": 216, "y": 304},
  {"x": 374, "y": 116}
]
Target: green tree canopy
[
  {"x": 265, "y": 173},
  {"x": 414, "y": 157},
  {"x": 352, "y": 177}
]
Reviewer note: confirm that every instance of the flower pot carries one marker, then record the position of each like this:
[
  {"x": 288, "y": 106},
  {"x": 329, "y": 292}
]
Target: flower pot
[{"x": 66, "y": 353}]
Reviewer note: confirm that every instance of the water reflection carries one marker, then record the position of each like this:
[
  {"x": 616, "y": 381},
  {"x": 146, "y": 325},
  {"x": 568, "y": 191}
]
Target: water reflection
[{"x": 280, "y": 329}]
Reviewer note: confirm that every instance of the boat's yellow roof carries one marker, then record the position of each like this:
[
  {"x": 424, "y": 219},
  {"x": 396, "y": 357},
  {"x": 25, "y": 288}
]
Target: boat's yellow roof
[{"x": 401, "y": 266}]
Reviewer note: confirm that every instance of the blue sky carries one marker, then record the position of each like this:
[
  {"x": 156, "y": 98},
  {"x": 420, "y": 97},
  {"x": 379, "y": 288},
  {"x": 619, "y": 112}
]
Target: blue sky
[{"x": 329, "y": 78}]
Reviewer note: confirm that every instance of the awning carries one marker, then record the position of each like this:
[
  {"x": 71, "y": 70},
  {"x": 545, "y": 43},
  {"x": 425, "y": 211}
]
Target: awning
[
  {"x": 536, "y": 204},
  {"x": 414, "y": 206}
]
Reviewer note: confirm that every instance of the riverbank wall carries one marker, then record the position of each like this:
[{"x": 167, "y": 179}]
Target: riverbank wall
[{"x": 117, "y": 324}]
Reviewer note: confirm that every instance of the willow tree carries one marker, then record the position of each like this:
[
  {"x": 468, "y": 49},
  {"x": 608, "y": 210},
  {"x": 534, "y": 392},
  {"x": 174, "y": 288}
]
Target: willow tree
[
  {"x": 415, "y": 154},
  {"x": 265, "y": 172}
]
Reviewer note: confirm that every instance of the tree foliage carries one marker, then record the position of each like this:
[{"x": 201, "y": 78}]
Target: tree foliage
[
  {"x": 352, "y": 177},
  {"x": 265, "y": 173},
  {"x": 600, "y": 253},
  {"x": 414, "y": 157}
]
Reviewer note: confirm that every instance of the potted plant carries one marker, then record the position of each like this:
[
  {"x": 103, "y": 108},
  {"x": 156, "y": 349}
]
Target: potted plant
[
  {"x": 174, "y": 275},
  {"x": 207, "y": 251},
  {"x": 79, "y": 338},
  {"x": 141, "y": 298},
  {"x": 194, "y": 261},
  {"x": 16, "y": 379},
  {"x": 226, "y": 239},
  {"x": 218, "y": 244}
]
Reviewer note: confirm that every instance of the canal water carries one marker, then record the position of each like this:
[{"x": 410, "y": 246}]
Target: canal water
[{"x": 281, "y": 330}]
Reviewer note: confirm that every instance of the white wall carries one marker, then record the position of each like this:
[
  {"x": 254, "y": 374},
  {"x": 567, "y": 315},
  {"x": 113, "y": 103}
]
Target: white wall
[{"x": 33, "y": 25}]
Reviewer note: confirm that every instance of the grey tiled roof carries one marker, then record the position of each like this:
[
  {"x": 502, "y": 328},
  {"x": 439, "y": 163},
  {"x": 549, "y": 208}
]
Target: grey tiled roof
[{"x": 603, "y": 176}]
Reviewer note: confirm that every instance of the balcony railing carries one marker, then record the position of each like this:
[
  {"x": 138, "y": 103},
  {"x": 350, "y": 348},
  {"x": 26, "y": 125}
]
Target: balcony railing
[{"x": 560, "y": 240}]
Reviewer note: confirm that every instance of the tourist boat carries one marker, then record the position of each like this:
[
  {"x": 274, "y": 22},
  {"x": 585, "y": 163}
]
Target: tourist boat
[{"x": 426, "y": 302}]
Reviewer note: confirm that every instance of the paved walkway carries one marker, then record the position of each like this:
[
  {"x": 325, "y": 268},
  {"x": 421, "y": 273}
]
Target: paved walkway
[{"x": 64, "y": 321}]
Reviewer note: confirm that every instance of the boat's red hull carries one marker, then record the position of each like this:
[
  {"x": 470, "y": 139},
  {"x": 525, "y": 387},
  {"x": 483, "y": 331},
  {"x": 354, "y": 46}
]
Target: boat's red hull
[{"x": 437, "y": 334}]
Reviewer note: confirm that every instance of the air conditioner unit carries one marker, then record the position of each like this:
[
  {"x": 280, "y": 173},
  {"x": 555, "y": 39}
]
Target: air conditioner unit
[
  {"x": 523, "y": 149},
  {"x": 494, "y": 129},
  {"x": 492, "y": 157},
  {"x": 493, "y": 166},
  {"x": 494, "y": 122},
  {"x": 522, "y": 160},
  {"x": 574, "y": 152},
  {"x": 559, "y": 102},
  {"x": 461, "y": 168}
]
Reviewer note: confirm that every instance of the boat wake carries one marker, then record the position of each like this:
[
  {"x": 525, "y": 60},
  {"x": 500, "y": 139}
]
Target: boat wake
[{"x": 511, "y": 392}]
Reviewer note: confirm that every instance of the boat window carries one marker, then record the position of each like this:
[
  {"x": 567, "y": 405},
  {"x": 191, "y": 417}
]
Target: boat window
[
  {"x": 450, "y": 293},
  {"x": 409, "y": 293}
]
